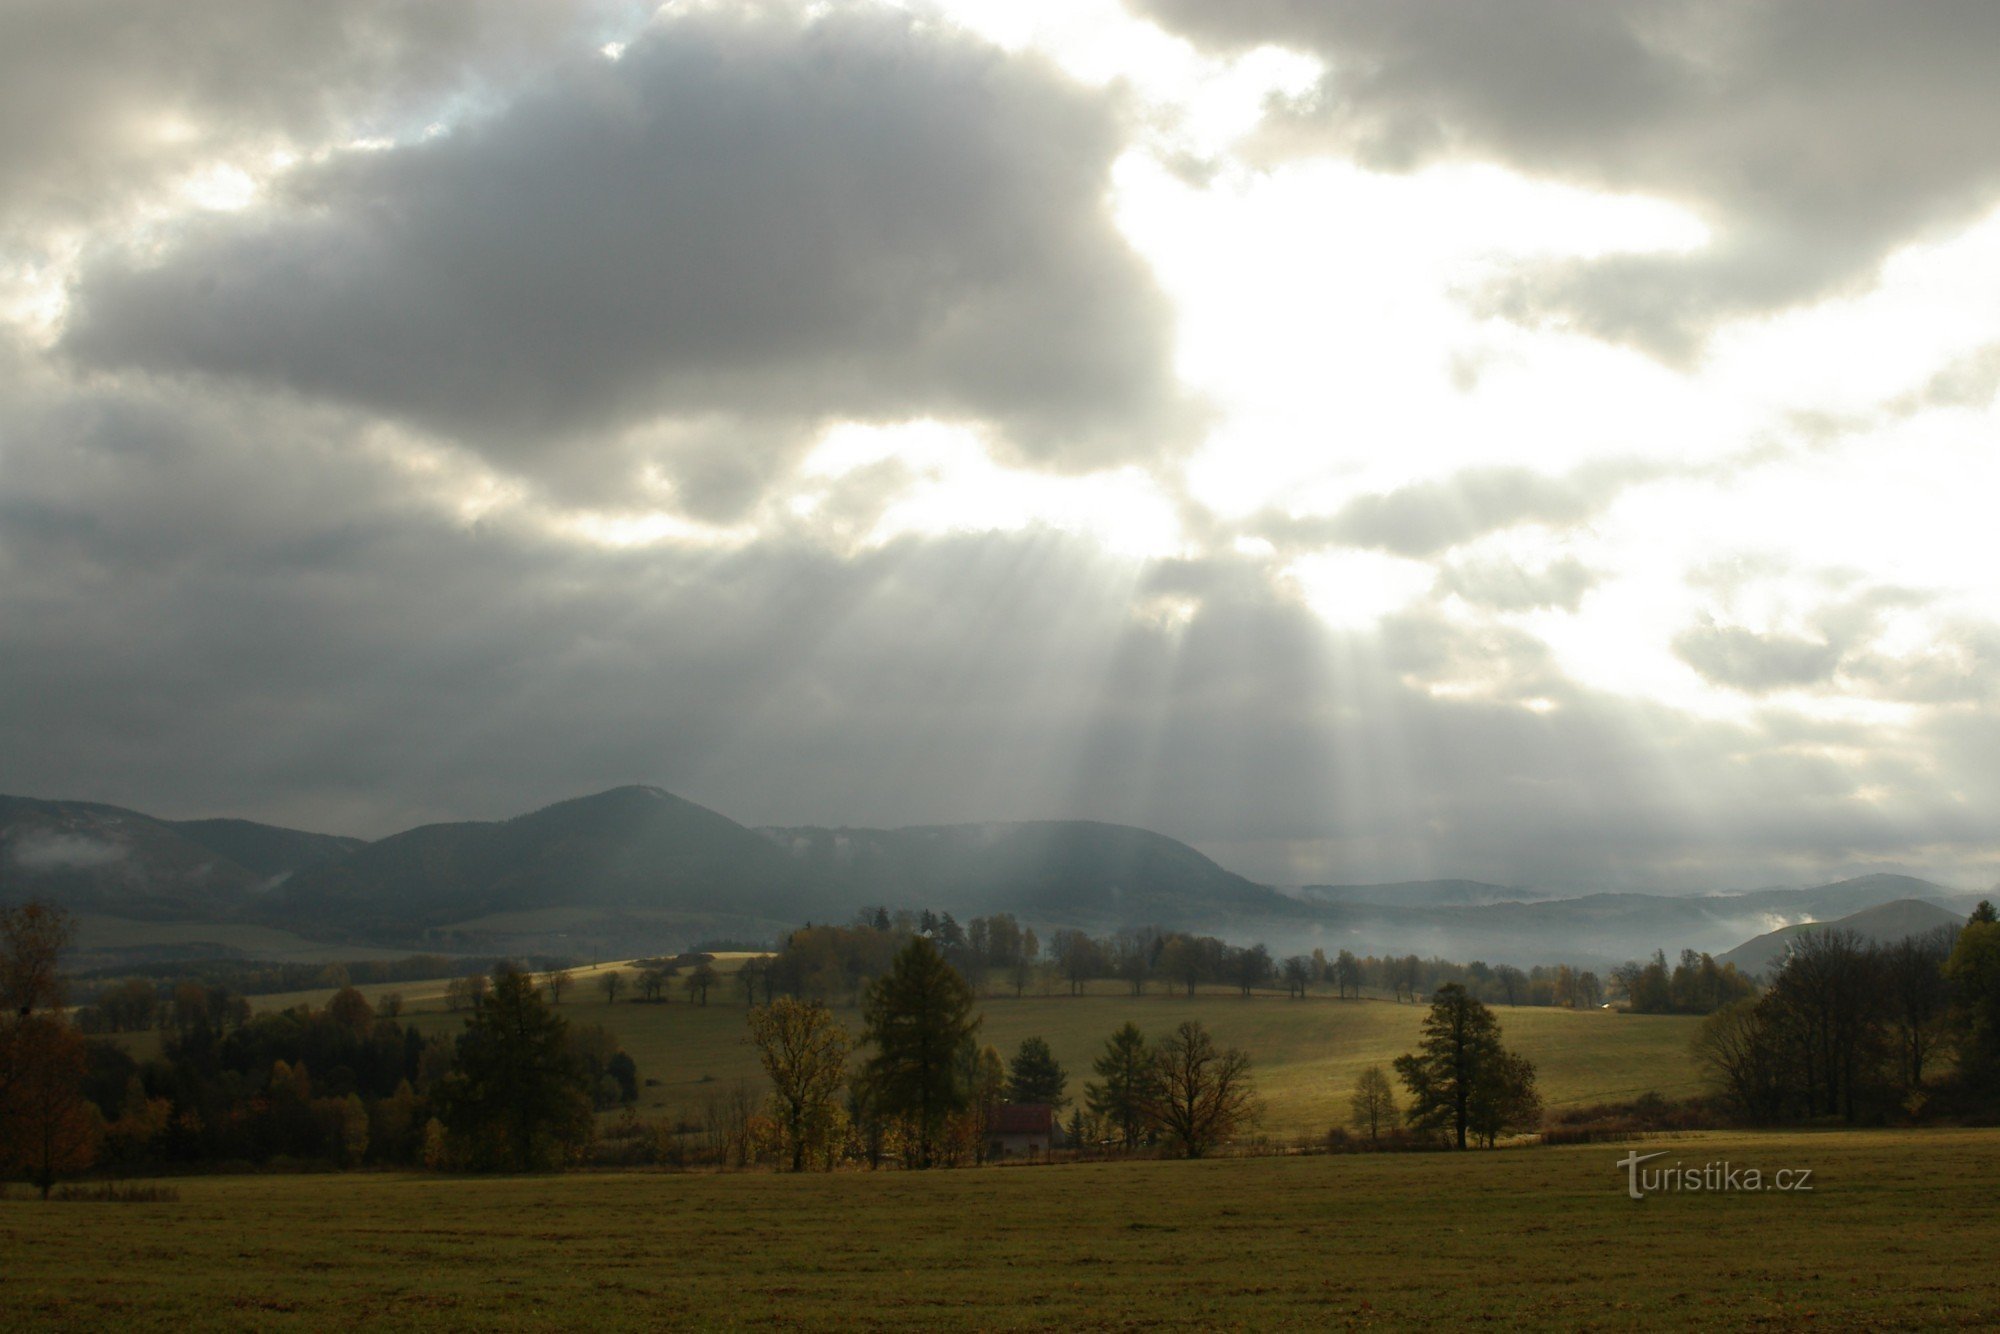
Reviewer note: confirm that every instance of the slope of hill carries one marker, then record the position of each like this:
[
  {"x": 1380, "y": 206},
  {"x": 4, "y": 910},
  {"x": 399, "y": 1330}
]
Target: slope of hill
[
  {"x": 1075, "y": 872},
  {"x": 95, "y": 858},
  {"x": 1883, "y": 924},
  {"x": 631, "y": 847},
  {"x": 1420, "y": 894},
  {"x": 269, "y": 850}
]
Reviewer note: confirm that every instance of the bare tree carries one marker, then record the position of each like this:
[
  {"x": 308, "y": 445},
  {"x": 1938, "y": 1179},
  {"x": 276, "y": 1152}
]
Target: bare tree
[
  {"x": 1918, "y": 999},
  {"x": 1373, "y": 1105},
  {"x": 611, "y": 983},
  {"x": 1201, "y": 1095},
  {"x": 699, "y": 981},
  {"x": 559, "y": 982}
]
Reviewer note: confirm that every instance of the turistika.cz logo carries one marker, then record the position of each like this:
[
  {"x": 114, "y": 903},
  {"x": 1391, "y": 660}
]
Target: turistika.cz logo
[{"x": 1712, "y": 1178}]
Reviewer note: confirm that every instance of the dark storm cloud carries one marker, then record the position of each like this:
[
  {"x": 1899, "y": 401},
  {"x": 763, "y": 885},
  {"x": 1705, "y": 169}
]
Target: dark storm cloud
[
  {"x": 746, "y": 223},
  {"x": 1812, "y": 136},
  {"x": 101, "y": 100}
]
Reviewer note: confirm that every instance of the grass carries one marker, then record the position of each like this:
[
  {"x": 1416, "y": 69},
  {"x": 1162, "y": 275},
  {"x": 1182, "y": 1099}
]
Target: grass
[
  {"x": 1894, "y": 1235},
  {"x": 1305, "y": 1054}
]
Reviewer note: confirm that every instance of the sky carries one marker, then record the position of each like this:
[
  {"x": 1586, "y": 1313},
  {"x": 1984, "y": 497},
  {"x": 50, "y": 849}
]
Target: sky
[{"x": 1367, "y": 439}]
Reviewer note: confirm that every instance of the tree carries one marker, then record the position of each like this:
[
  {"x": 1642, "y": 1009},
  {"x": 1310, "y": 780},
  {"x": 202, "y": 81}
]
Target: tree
[
  {"x": 1917, "y": 996},
  {"x": 1128, "y": 1074},
  {"x": 1077, "y": 957},
  {"x": 985, "y": 1077},
  {"x": 804, "y": 1050},
  {"x": 917, "y": 1016},
  {"x": 1252, "y": 967},
  {"x": 1347, "y": 974},
  {"x": 1374, "y": 1102},
  {"x": 559, "y": 982},
  {"x": 1504, "y": 1098},
  {"x": 1740, "y": 1049},
  {"x": 1298, "y": 972},
  {"x": 519, "y": 1099},
  {"x": 47, "y": 1128},
  {"x": 1974, "y": 973},
  {"x": 1181, "y": 961},
  {"x": 612, "y": 983},
  {"x": 700, "y": 980},
  {"x": 1460, "y": 1047},
  {"x": 32, "y": 939},
  {"x": 1034, "y": 1075},
  {"x": 1199, "y": 1095}
]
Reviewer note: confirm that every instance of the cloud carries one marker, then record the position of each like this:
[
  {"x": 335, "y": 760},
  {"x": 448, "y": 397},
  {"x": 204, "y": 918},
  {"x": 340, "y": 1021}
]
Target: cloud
[
  {"x": 1428, "y": 517},
  {"x": 1813, "y": 138},
  {"x": 102, "y": 103},
  {"x": 45, "y": 852},
  {"x": 1507, "y": 585},
  {"x": 743, "y": 226},
  {"x": 1730, "y": 655}
]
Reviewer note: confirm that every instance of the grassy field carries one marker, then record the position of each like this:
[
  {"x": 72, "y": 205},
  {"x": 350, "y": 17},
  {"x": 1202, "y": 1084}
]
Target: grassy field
[
  {"x": 1895, "y": 1234},
  {"x": 1305, "y": 1053}
]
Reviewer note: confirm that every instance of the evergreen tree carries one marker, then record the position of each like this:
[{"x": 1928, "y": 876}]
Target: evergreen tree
[
  {"x": 918, "y": 1016},
  {"x": 1128, "y": 1073},
  {"x": 519, "y": 1099},
  {"x": 1454, "y": 1065},
  {"x": 1036, "y": 1076}
]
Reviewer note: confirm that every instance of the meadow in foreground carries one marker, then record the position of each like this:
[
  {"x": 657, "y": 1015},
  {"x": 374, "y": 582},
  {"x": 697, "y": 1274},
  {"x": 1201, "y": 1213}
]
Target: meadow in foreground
[{"x": 1895, "y": 1233}]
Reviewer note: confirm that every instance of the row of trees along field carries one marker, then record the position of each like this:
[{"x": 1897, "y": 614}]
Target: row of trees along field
[
  {"x": 925, "y": 1092},
  {"x": 833, "y": 963},
  {"x": 342, "y": 1085},
  {"x": 1864, "y": 1032}
]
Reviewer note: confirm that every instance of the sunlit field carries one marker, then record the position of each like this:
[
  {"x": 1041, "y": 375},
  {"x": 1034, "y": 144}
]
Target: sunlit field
[
  {"x": 1305, "y": 1053},
  {"x": 1896, "y": 1233}
]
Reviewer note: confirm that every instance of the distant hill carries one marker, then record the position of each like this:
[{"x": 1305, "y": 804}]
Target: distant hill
[
  {"x": 95, "y": 858},
  {"x": 1420, "y": 893},
  {"x": 1885, "y": 923},
  {"x": 269, "y": 850},
  {"x": 638, "y": 868},
  {"x": 1077, "y": 872},
  {"x": 629, "y": 847}
]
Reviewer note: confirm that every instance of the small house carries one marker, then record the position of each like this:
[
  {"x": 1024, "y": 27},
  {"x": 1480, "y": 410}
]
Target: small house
[{"x": 1023, "y": 1130}]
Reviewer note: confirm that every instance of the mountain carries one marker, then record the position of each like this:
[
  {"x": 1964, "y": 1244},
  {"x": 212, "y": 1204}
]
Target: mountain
[
  {"x": 1419, "y": 893},
  {"x": 94, "y": 858},
  {"x": 90, "y": 857},
  {"x": 268, "y": 850},
  {"x": 637, "y": 869},
  {"x": 631, "y": 847},
  {"x": 1073, "y": 872},
  {"x": 1883, "y": 924}
]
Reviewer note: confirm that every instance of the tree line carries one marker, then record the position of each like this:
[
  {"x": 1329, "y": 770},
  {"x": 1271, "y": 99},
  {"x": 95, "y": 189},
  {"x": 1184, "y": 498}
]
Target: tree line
[
  {"x": 998, "y": 956},
  {"x": 1854, "y": 1030},
  {"x": 342, "y": 1085}
]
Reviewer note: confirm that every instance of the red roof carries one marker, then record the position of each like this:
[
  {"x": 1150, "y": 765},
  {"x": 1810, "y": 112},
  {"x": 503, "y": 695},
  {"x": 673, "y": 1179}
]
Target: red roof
[{"x": 1024, "y": 1118}]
